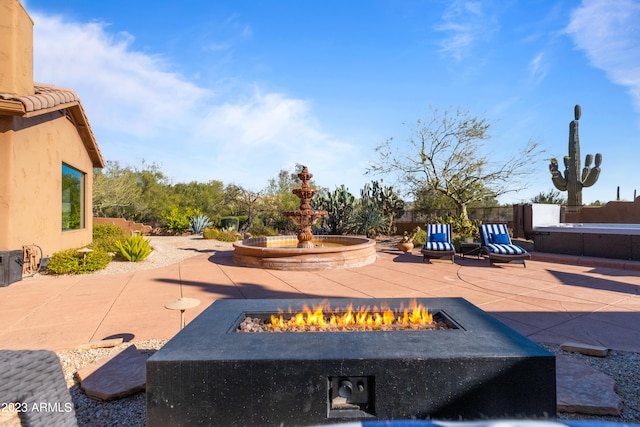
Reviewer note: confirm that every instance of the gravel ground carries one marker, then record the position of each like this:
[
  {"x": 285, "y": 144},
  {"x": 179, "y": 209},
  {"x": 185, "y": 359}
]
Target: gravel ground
[
  {"x": 167, "y": 250},
  {"x": 623, "y": 367},
  {"x": 129, "y": 411}
]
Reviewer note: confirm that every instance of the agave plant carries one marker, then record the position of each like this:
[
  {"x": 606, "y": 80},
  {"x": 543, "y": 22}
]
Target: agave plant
[
  {"x": 135, "y": 248},
  {"x": 199, "y": 223}
]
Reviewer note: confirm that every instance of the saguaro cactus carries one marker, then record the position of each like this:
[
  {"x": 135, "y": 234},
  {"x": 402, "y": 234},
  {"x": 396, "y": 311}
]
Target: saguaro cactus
[{"x": 573, "y": 182}]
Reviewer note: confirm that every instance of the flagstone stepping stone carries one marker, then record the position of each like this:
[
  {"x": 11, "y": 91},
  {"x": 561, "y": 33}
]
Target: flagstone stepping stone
[
  {"x": 586, "y": 349},
  {"x": 582, "y": 389},
  {"x": 115, "y": 376},
  {"x": 100, "y": 344}
]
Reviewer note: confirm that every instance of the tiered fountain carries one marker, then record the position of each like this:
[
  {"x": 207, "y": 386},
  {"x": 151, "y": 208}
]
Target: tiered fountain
[
  {"x": 305, "y": 217},
  {"x": 305, "y": 251}
]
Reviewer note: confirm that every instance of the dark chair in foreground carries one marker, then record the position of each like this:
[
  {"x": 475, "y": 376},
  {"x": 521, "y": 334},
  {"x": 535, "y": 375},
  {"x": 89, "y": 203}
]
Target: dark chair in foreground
[
  {"x": 34, "y": 381},
  {"x": 496, "y": 243},
  {"x": 438, "y": 242}
]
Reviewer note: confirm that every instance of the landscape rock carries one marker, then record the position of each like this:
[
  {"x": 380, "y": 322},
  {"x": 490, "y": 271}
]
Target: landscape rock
[
  {"x": 582, "y": 389},
  {"x": 115, "y": 376},
  {"x": 100, "y": 344},
  {"x": 586, "y": 349}
]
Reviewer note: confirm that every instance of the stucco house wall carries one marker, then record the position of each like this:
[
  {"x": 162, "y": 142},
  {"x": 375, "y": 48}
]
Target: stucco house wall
[
  {"x": 42, "y": 127},
  {"x": 32, "y": 153}
]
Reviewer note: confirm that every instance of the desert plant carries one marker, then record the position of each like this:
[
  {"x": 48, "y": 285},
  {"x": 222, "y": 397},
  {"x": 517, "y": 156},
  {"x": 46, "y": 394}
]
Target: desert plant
[
  {"x": 199, "y": 223},
  {"x": 228, "y": 236},
  {"x": 71, "y": 261},
  {"x": 339, "y": 205},
  {"x": 573, "y": 181},
  {"x": 105, "y": 237},
  {"x": 135, "y": 248},
  {"x": 420, "y": 238},
  {"x": 367, "y": 221},
  {"x": 179, "y": 220},
  {"x": 262, "y": 231},
  {"x": 230, "y": 223},
  {"x": 107, "y": 231},
  {"x": 385, "y": 199},
  {"x": 210, "y": 233},
  {"x": 461, "y": 226}
]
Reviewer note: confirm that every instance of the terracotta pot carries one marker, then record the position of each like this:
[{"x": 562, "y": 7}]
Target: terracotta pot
[{"x": 405, "y": 246}]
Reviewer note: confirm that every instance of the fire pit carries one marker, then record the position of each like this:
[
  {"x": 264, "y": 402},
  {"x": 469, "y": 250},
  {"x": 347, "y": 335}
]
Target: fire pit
[{"x": 468, "y": 366}]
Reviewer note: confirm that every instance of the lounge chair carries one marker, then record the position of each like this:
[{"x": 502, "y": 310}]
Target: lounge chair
[
  {"x": 496, "y": 243},
  {"x": 438, "y": 242}
]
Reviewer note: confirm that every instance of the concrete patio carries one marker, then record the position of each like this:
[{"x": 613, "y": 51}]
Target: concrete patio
[{"x": 592, "y": 301}]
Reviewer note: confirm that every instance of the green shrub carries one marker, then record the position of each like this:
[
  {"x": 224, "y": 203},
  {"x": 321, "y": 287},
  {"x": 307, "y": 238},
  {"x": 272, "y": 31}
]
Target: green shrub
[
  {"x": 105, "y": 237},
  {"x": 460, "y": 226},
  {"x": 135, "y": 248},
  {"x": 210, "y": 233},
  {"x": 71, "y": 261},
  {"x": 262, "y": 231},
  {"x": 179, "y": 220},
  {"x": 228, "y": 236},
  {"x": 420, "y": 238},
  {"x": 230, "y": 223},
  {"x": 106, "y": 231},
  {"x": 222, "y": 235}
]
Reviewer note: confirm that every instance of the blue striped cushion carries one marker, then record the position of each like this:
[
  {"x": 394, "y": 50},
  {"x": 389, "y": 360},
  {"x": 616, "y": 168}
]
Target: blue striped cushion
[
  {"x": 438, "y": 237},
  {"x": 505, "y": 249},
  {"x": 500, "y": 239},
  {"x": 487, "y": 230},
  {"x": 438, "y": 229},
  {"x": 438, "y": 246}
]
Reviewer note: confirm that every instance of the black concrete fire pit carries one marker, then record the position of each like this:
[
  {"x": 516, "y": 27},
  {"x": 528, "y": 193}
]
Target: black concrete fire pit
[{"x": 474, "y": 368}]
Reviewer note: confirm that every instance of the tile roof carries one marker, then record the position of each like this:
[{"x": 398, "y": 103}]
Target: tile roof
[
  {"x": 46, "y": 96},
  {"x": 51, "y": 98}
]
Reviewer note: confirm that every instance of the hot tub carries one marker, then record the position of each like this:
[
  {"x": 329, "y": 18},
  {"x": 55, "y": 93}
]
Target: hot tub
[{"x": 618, "y": 241}]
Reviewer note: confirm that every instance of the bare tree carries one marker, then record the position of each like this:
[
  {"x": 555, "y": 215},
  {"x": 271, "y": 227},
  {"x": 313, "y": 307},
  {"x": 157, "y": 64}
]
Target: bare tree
[
  {"x": 447, "y": 154},
  {"x": 244, "y": 202},
  {"x": 114, "y": 190}
]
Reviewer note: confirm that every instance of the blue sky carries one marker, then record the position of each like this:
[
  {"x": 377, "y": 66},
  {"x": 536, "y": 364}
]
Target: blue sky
[{"x": 237, "y": 90}]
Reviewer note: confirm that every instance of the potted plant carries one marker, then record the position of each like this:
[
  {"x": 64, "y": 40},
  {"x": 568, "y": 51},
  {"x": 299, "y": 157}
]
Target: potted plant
[{"x": 406, "y": 244}]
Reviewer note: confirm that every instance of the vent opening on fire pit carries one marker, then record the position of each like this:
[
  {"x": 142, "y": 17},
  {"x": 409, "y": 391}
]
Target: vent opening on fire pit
[{"x": 351, "y": 397}]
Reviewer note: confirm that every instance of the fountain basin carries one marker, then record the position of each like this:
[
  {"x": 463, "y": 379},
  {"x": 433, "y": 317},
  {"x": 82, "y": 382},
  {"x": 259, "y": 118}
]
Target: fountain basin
[{"x": 329, "y": 252}]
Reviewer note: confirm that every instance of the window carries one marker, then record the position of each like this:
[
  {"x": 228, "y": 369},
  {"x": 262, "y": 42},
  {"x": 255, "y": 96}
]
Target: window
[{"x": 72, "y": 198}]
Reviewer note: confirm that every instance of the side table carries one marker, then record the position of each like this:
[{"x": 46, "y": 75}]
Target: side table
[{"x": 470, "y": 249}]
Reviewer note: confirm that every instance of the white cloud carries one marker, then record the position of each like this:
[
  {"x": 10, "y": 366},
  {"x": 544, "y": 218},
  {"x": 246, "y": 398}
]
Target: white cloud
[
  {"x": 122, "y": 89},
  {"x": 269, "y": 131},
  {"x": 465, "y": 22},
  {"x": 608, "y": 32},
  {"x": 538, "y": 68},
  {"x": 140, "y": 109}
]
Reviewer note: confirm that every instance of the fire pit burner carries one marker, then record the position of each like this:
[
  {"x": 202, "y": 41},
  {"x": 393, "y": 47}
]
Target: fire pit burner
[
  {"x": 476, "y": 369},
  {"x": 323, "y": 318}
]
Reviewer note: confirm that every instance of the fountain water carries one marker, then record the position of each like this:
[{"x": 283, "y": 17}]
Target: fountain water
[
  {"x": 305, "y": 217},
  {"x": 305, "y": 251}
]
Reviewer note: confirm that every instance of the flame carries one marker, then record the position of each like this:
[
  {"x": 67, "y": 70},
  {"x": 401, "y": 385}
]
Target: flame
[{"x": 416, "y": 316}]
